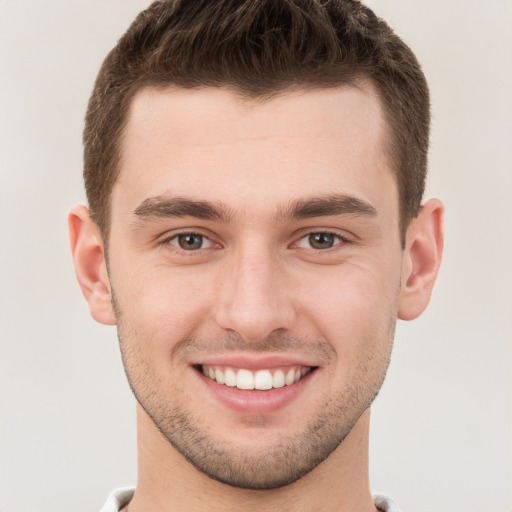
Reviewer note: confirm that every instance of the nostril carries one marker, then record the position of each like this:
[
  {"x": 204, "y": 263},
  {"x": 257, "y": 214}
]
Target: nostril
[{"x": 255, "y": 323}]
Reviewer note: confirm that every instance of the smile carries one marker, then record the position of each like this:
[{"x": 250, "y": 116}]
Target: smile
[{"x": 262, "y": 380}]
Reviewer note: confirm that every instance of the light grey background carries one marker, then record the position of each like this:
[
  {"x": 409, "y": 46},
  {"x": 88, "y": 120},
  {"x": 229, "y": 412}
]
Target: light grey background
[{"x": 442, "y": 427}]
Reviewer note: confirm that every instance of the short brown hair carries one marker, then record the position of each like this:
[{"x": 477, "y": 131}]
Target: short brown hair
[{"x": 258, "y": 49}]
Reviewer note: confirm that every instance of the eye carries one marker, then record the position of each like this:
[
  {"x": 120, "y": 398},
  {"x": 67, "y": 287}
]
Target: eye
[
  {"x": 320, "y": 240},
  {"x": 190, "y": 241}
]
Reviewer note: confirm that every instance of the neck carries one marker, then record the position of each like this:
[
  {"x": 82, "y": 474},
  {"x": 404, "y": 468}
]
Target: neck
[{"x": 169, "y": 482}]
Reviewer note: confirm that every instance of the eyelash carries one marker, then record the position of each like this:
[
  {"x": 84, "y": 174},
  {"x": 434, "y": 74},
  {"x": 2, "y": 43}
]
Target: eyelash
[
  {"x": 204, "y": 238},
  {"x": 339, "y": 240}
]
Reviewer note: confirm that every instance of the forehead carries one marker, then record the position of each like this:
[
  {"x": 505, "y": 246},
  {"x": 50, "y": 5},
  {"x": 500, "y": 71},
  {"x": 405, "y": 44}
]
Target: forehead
[
  {"x": 326, "y": 109},
  {"x": 213, "y": 144}
]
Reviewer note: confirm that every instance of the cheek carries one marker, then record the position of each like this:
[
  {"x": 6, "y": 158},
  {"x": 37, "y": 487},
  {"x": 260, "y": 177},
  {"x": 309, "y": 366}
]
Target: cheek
[
  {"x": 357, "y": 317},
  {"x": 164, "y": 306},
  {"x": 357, "y": 308}
]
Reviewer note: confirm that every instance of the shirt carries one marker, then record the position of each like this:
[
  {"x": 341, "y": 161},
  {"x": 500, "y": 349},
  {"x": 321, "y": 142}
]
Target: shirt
[{"x": 119, "y": 498}]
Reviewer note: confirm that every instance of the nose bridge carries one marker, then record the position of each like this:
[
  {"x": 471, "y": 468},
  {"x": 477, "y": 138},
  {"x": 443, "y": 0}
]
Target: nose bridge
[{"x": 253, "y": 301}]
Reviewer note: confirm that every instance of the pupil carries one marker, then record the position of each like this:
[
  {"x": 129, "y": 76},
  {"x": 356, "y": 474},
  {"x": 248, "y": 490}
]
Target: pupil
[
  {"x": 190, "y": 242},
  {"x": 321, "y": 240}
]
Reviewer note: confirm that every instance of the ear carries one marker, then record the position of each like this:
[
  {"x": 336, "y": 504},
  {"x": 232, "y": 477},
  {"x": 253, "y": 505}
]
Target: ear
[
  {"x": 422, "y": 258},
  {"x": 90, "y": 265}
]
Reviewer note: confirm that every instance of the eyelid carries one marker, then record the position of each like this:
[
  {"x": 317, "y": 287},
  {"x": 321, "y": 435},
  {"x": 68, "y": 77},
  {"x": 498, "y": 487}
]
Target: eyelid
[
  {"x": 342, "y": 239},
  {"x": 166, "y": 240},
  {"x": 207, "y": 243},
  {"x": 168, "y": 237}
]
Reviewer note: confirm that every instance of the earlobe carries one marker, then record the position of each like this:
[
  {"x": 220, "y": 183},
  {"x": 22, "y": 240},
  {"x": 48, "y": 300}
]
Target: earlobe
[
  {"x": 422, "y": 258},
  {"x": 90, "y": 265}
]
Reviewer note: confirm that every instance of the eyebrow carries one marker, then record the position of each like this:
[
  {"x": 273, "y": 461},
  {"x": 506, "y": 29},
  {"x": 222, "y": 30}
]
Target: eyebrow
[
  {"x": 163, "y": 207},
  {"x": 321, "y": 206},
  {"x": 325, "y": 206}
]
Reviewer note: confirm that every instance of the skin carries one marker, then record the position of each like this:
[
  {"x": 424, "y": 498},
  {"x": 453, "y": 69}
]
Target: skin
[{"x": 256, "y": 182}]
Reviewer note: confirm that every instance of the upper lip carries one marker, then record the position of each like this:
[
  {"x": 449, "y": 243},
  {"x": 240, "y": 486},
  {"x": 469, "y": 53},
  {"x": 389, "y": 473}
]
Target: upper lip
[{"x": 254, "y": 361}]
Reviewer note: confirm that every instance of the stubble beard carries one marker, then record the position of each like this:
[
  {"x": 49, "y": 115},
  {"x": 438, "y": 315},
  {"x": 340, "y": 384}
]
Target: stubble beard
[{"x": 264, "y": 467}]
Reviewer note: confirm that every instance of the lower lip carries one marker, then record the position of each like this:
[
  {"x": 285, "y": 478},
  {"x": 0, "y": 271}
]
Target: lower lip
[{"x": 255, "y": 401}]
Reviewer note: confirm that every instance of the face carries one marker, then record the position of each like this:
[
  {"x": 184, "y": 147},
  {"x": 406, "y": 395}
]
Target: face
[{"x": 255, "y": 266}]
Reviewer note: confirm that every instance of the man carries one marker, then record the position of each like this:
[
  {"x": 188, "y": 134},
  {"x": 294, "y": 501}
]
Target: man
[{"x": 254, "y": 172}]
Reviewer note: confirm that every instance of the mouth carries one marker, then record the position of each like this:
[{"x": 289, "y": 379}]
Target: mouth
[
  {"x": 256, "y": 386},
  {"x": 263, "y": 379}
]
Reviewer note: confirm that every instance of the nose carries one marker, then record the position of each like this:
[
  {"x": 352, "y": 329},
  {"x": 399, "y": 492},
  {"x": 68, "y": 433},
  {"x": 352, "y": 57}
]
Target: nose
[{"x": 254, "y": 300}]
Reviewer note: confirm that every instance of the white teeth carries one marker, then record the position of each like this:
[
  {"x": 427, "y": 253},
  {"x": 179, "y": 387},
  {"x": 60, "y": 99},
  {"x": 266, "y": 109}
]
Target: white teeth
[
  {"x": 219, "y": 376},
  {"x": 278, "y": 379},
  {"x": 261, "y": 379},
  {"x": 229, "y": 378},
  {"x": 244, "y": 380},
  {"x": 290, "y": 377}
]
